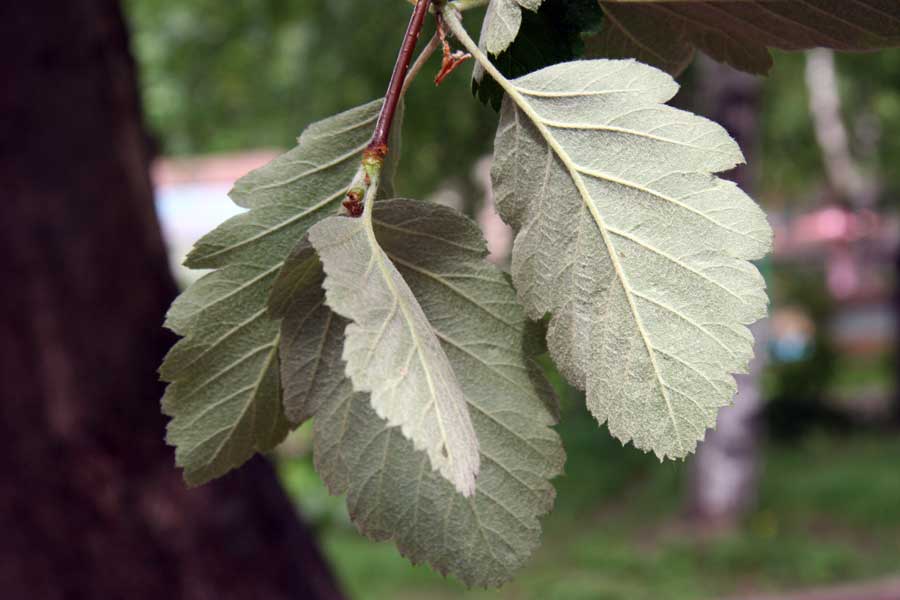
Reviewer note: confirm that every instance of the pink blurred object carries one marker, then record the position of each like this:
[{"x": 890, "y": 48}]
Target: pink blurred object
[
  {"x": 842, "y": 273},
  {"x": 217, "y": 168},
  {"x": 833, "y": 224},
  {"x": 808, "y": 233}
]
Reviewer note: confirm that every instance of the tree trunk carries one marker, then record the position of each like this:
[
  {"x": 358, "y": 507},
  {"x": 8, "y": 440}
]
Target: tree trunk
[
  {"x": 91, "y": 505},
  {"x": 724, "y": 473}
]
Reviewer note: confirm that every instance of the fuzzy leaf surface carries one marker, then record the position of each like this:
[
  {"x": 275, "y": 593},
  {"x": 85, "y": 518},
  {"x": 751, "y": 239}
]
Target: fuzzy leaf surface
[
  {"x": 639, "y": 253},
  {"x": 665, "y": 33},
  {"x": 305, "y": 363},
  {"x": 392, "y": 351},
  {"x": 224, "y": 389},
  {"x": 549, "y": 36},
  {"x": 502, "y": 22},
  {"x": 392, "y": 492}
]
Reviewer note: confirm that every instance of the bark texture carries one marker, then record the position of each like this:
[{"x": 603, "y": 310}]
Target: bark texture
[{"x": 91, "y": 505}]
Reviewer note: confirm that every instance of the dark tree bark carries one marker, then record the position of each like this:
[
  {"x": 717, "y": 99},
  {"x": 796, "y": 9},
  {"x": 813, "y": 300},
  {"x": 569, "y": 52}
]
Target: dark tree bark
[
  {"x": 724, "y": 473},
  {"x": 91, "y": 505}
]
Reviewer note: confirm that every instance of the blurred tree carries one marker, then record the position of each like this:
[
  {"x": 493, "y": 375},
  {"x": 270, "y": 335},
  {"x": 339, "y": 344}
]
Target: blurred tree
[
  {"x": 91, "y": 505},
  {"x": 725, "y": 470},
  {"x": 844, "y": 175},
  {"x": 792, "y": 165}
]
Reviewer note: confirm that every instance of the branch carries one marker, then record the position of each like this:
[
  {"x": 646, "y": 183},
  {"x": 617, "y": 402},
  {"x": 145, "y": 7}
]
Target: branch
[
  {"x": 359, "y": 195},
  {"x": 426, "y": 53},
  {"x": 378, "y": 147}
]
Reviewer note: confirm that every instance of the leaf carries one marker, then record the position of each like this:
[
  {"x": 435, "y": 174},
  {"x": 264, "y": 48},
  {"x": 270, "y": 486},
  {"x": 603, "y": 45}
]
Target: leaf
[
  {"x": 224, "y": 391},
  {"x": 392, "y": 492},
  {"x": 391, "y": 350},
  {"x": 502, "y": 21},
  {"x": 304, "y": 334},
  {"x": 224, "y": 395},
  {"x": 636, "y": 250},
  {"x": 551, "y": 35},
  {"x": 312, "y": 369},
  {"x": 630, "y": 31},
  {"x": 665, "y": 33}
]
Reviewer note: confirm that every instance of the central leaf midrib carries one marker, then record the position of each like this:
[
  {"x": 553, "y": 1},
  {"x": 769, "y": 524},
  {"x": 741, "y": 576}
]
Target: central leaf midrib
[
  {"x": 386, "y": 276},
  {"x": 516, "y": 96}
]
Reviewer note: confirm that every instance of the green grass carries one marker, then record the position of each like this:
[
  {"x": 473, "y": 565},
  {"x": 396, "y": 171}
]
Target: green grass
[
  {"x": 853, "y": 373},
  {"x": 828, "y": 511}
]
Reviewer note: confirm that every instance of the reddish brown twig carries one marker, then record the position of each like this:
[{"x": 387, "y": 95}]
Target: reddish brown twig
[{"x": 378, "y": 146}]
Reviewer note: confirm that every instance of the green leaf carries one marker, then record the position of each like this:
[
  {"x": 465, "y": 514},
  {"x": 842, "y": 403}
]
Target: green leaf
[
  {"x": 224, "y": 397},
  {"x": 391, "y": 349},
  {"x": 224, "y": 390},
  {"x": 502, "y": 21},
  {"x": 391, "y": 490},
  {"x": 635, "y": 249},
  {"x": 664, "y": 33},
  {"x": 304, "y": 335}
]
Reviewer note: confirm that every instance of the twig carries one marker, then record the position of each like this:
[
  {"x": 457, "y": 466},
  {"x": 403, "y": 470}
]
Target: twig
[
  {"x": 361, "y": 193},
  {"x": 423, "y": 57},
  {"x": 378, "y": 146}
]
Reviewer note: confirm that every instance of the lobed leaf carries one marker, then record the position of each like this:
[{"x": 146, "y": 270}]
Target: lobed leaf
[
  {"x": 637, "y": 251},
  {"x": 665, "y": 33},
  {"x": 224, "y": 391},
  {"x": 391, "y": 490}
]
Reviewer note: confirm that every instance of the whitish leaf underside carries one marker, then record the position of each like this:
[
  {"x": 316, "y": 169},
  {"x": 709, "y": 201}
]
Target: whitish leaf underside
[
  {"x": 638, "y": 252},
  {"x": 224, "y": 390},
  {"x": 502, "y": 21},
  {"x": 392, "y": 491},
  {"x": 664, "y": 33},
  {"x": 391, "y": 350}
]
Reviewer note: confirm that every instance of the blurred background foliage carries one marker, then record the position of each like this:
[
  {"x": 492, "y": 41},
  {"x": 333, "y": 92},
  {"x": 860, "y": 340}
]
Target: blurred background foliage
[
  {"x": 220, "y": 77},
  {"x": 249, "y": 74},
  {"x": 790, "y": 164},
  {"x": 253, "y": 73}
]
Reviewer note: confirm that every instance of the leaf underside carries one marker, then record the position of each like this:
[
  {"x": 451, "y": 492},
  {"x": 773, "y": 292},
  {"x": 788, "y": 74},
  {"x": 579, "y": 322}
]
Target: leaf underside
[
  {"x": 637, "y": 251},
  {"x": 392, "y": 491},
  {"x": 549, "y": 36},
  {"x": 665, "y": 33},
  {"x": 502, "y": 21},
  {"x": 224, "y": 393},
  {"x": 391, "y": 350}
]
